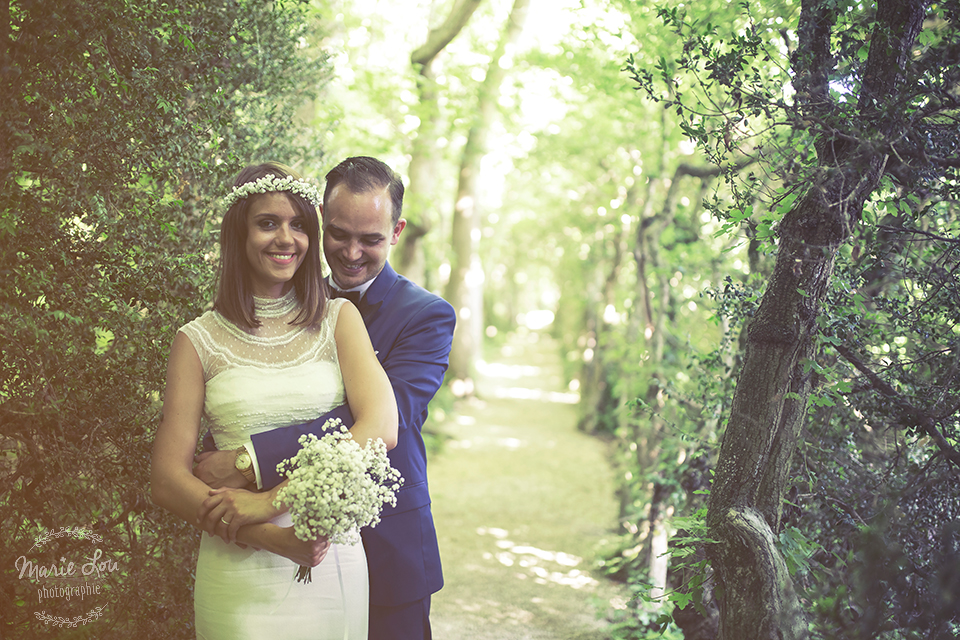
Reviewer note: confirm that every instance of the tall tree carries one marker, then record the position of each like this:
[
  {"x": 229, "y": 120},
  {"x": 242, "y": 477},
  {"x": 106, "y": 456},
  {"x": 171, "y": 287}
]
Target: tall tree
[
  {"x": 420, "y": 207},
  {"x": 854, "y": 151},
  {"x": 872, "y": 118},
  {"x": 465, "y": 288}
]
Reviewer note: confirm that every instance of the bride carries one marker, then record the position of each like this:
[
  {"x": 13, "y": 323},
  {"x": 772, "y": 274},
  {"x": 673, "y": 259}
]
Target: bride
[{"x": 274, "y": 351}]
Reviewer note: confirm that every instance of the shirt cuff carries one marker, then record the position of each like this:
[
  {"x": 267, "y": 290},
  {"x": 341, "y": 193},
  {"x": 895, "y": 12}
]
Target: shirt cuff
[{"x": 256, "y": 465}]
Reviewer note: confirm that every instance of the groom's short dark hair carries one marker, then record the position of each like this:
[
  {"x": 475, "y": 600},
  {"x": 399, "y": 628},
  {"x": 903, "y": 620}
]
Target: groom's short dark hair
[{"x": 362, "y": 174}]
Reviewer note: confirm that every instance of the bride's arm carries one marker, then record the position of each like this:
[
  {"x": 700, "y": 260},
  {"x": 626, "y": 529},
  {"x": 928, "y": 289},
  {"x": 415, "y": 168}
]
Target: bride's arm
[
  {"x": 173, "y": 485},
  {"x": 369, "y": 392}
]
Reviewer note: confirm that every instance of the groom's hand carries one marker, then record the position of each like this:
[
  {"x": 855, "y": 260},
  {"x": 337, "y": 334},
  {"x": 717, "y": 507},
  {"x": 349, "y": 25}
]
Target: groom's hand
[
  {"x": 226, "y": 510},
  {"x": 217, "y": 470}
]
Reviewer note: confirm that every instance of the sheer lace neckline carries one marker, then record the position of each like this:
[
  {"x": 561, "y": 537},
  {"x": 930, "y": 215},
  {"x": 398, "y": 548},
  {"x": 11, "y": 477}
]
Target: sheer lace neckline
[{"x": 275, "y": 307}]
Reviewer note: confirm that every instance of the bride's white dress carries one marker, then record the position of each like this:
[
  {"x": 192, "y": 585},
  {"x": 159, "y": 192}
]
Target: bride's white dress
[{"x": 276, "y": 376}]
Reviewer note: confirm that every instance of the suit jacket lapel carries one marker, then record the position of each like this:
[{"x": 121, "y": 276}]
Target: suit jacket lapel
[{"x": 373, "y": 299}]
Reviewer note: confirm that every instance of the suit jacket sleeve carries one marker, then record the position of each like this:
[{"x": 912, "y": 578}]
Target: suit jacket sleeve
[
  {"x": 417, "y": 360},
  {"x": 415, "y": 363},
  {"x": 275, "y": 446}
]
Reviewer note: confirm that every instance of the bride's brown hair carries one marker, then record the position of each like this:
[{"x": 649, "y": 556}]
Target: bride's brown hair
[{"x": 234, "y": 286}]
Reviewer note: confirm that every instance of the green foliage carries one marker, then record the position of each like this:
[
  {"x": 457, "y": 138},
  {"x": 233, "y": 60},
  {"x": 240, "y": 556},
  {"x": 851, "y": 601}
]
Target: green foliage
[
  {"x": 644, "y": 626},
  {"x": 883, "y": 411},
  {"x": 872, "y": 490},
  {"x": 687, "y": 559},
  {"x": 636, "y": 253},
  {"x": 797, "y": 550},
  {"x": 127, "y": 121}
]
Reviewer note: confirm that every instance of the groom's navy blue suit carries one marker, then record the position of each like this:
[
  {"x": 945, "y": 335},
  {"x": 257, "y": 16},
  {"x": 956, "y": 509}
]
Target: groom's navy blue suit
[{"x": 411, "y": 330}]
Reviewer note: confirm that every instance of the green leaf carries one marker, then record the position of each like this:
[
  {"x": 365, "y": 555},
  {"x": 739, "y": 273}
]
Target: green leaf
[
  {"x": 681, "y": 599},
  {"x": 822, "y": 401}
]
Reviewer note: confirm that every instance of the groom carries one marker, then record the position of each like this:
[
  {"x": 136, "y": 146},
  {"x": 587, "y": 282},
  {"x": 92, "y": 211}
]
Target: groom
[{"x": 411, "y": 331}]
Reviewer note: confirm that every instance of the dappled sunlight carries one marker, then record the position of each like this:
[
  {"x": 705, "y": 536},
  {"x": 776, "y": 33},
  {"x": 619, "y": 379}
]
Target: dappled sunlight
[
  {"x": 559, "y": 557},
  {"x": 511, "y": 443},
  {"x": 520, "y": 393},
  {"x": 530, "y": 561},
  {"x": 497, "y": 612},
  {"x": 467, "y": 443},
  {"x": 507, "y": 443},
  {"x": 507, "y": 454},
  {"x": 499, "y": 371}
]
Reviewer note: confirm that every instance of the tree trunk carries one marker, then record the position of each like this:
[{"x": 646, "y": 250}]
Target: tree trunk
[
  {"x": 418, "y": 207},
  {"x": 465, "y": 289},
  {"x": 647, "y": 432},
  {"x": 758, "y": 599},
  {"x": 597, "y": 402}
]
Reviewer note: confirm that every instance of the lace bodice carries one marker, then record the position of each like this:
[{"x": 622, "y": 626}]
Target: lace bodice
[{"x": 274, "y": 376}]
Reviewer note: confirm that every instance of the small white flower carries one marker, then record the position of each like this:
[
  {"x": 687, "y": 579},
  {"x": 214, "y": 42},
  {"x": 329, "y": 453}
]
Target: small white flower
[{"x": 270, "y": 183}]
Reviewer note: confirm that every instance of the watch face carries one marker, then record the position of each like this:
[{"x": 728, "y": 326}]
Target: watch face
[{"x": 244, "y": 461}]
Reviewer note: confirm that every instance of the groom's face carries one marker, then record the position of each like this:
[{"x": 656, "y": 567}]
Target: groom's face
[{"x": 358, "y": 232}]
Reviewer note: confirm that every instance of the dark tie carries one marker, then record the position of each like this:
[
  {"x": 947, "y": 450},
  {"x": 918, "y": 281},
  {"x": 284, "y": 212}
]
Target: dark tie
[{"x": 352, "y": 296}]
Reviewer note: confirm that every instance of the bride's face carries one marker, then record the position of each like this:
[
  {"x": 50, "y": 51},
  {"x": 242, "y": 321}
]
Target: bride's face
[{"x": 277, "y": 242}]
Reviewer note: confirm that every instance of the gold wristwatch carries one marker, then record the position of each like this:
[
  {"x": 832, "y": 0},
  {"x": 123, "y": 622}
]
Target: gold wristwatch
[{"x": 244, "y": 464}]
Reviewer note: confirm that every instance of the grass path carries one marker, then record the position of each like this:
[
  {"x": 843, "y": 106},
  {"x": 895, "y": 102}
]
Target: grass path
[{"x": 521, "y": 501}]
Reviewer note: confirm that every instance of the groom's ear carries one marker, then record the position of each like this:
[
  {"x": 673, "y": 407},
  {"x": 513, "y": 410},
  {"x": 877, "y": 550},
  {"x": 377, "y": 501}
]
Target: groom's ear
[{"x": 401, "y": 223}]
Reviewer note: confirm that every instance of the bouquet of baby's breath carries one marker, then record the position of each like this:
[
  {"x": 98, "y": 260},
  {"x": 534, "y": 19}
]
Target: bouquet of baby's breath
[{"x": 336, "y": 486}]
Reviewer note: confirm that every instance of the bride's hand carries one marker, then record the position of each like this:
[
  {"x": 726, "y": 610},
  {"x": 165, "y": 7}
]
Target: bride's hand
[
  {"x": 306, "y": 554},
  {"x": 227, "y": 509}
]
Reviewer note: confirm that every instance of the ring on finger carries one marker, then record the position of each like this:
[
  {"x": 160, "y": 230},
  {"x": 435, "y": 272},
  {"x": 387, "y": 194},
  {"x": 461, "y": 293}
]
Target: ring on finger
[{"x": 224, "y": 522}]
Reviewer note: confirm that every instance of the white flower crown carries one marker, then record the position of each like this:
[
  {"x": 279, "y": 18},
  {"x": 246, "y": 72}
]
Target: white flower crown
[{"x": 270, "y": 183}]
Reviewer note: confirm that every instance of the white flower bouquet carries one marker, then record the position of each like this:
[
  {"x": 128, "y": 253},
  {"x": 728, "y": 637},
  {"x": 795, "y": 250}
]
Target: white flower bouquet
[{"x": 335, "y": 487}]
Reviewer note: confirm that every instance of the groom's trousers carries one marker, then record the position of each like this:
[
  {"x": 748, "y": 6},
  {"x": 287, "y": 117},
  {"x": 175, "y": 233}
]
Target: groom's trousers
[{"x": 410, "y": 621}]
